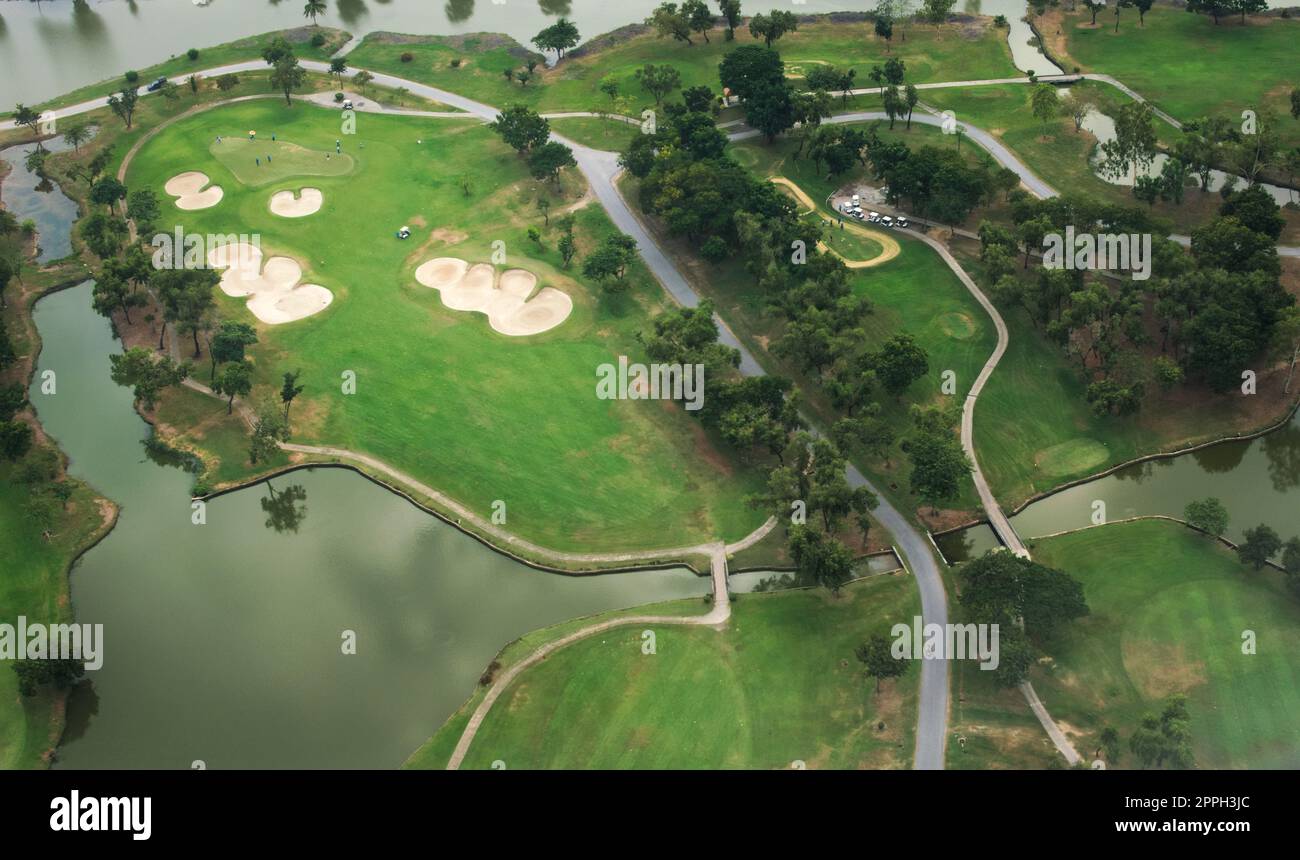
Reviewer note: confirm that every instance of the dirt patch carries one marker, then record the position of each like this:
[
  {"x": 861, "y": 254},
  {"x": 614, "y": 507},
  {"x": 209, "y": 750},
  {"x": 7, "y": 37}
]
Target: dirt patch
[
  {"x": 1160, "y": 670},
  {"x": 448, "y": 236}
]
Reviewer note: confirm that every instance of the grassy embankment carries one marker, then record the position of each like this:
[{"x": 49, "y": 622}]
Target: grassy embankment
[{"x": 779, "y": 684}]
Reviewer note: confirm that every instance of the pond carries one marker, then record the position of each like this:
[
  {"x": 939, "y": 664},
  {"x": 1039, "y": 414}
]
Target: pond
[
  {"x": 33, "y": 198},
  {"x": 223, "y": 641}
]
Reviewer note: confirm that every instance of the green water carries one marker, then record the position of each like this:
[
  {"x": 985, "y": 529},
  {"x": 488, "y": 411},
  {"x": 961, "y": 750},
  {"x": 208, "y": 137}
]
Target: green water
[{"x": 222, "y": 641}]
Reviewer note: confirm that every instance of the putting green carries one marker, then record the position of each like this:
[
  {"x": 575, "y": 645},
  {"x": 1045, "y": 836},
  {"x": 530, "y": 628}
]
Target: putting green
[
  {"x": 1071, "y": 457},
  {"x": 280, "y": 159},
  {"x": 957, "y": 325},
  {"x": 484, "y": 417},
  {"x": 1169, "y": 608}
]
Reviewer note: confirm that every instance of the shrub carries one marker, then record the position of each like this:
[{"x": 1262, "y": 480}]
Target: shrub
[
  {"x": 455, "y": 64},
  {"x": 227, "y": 81},
  {"x": 317, "y": 40},
  {"x": 192, "y": 53},
  {"x": 132, "y": 76},
  {"x": 407, "y": 56},
  {"x": 715, "y": 250},
  {"x": 338, "y": 97}
]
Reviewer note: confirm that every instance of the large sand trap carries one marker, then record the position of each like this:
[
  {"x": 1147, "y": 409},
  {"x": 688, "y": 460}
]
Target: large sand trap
[
  {"x": 186, "y": 187},
  {"x": 275, "y": 296},
  {"x": 507, "y": 304},
  {"x": 288, "y": 205}
]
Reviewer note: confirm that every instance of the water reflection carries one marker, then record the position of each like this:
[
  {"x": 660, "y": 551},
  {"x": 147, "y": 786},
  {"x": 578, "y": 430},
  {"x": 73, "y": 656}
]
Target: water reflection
[
  {"x": 30, "y": 196},
  {"x": 1283, "y": 452},
  {"x": 351, "y": 11},
  {"x": 83, "y": 707},
  {"x": 555, "y": 7},
  {"x": 285, "y": 510},
  {"x": 458, "y": 10}
]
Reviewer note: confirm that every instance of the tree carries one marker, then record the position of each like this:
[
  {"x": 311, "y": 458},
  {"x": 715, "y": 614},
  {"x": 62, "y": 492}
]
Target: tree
[
  {"x": 773, "y": 25},
  {"x": 938, "y": 463},
  {"x": 107, "y": 192},
  {"x": 910, "y": 100},
  {"x": 877, "y": 655},
  {"x": 770, "y": 108},
  {"x": 546, "y": 161},
  {"x": 1134, "y": 144},
  {"x": 567, "y": 246},
  {"x": 1214, "y": 8},
  {"x": 186, "y": 297},
  {"x": 1261, "y": 543},
  {"x": 287, "y": 75},
  {"x": 1256, "y": 209},
  {"x": 1208, "y": 515},
  {"x": 607, "y": 263},
  {"x": 744, "y": 69},
  {"x": 15, "y": 440},
  {"x": 1005, "y": 589},
  {"x": 820, "y": 559},
  {"x": 937, "y": 11},
  {"x": 698, "y": 17},
  {"x": 312, "y": 8},
  {"x": 229, "y": 343},
  {"x": 730, "y": 10},
  {"x": 269, "y": 430},
  {"x": 112, "y": 293},
  {"x": 104, "y": 234},
  {"x": 123, "y": 104},
  {"x": 521, "y": 128},
  {"x": 1046, "y": 104},
  {"x": 143, "y": 208},
  {"x": 147, "y": 373},
  {"x": 1143, "y": 7},
  {"x": 1076, "y": 108},
  {"x": 659, "y": 81},
  {"x": 76, "y": 136},
  {"x": 1165, "y": 739},
  {"x": 290, "y": 390},
  {"x": 30, "y": 118},
  {"x": 34, "y": 674},
  {"x": 668, "y": 20},
  {"x": 559, "y": 37},
  {"x": 1291, "y": 557},
  {"x": 609, "y": 86},
  {"x": 362, "y": 79},
  {"x": 900, "y": 362},
  {"x": 338, "y": 67},
  {"x": 235, "y": 380}
]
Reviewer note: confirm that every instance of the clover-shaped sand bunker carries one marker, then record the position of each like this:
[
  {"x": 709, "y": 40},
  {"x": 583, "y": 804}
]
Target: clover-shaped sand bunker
[
  {"x": 510, "y": 306},
  {"x": 286, "y": 204},
  {"x": 188, "y": 189},
  {"x": 275, "y": 296}
]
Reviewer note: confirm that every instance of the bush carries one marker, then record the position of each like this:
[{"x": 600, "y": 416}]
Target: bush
[
  {"x": 192, "y": 53},
  {"x": 227, "y": 82},
  {"x": 715, "y": 250},
  {"x": 28, "y": 227},
  {"x": 317, "y": 40},
  {"x": 338, "y": 97},
  {"x": 132, "y": 77},
  {"x": 407, "y": 56},
  {"x": 455, "y": 64}
]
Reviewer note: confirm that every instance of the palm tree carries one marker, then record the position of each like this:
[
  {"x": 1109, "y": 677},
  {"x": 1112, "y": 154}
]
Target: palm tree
[{"x": 312, "y": 9}]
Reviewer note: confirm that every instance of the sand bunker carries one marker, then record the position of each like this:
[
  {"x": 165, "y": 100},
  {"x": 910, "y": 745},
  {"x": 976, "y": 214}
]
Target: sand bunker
[
  {"x": 187, "y": 188},
  {"x": 288, "y": 205},
  {"x": 275, "y": 296},
  {"x": 507, "y": 303}
]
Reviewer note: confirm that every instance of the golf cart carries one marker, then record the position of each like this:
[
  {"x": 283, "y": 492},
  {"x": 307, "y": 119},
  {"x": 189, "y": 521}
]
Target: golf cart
[
  {"x": 901, "y": 222},
  {"x": 404, "y": 233}
]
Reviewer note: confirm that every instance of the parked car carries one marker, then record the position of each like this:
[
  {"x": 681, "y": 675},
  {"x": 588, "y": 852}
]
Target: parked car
[{"x": 157, "y": 85}]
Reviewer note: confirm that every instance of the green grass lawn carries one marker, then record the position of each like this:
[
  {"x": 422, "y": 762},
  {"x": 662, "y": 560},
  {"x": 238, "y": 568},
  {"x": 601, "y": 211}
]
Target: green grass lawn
[
  {"x": 1188, "y": 66},
  {"x": 932, "y": 54},
  {"x": 280, "y": 159},
  {"x": 474, "y": 413},
  {"x": 607, "y": 134},
  {"x": 778, "y": 684},
  {"x": 847, "y": 244},
  {"x": 1168, "y": 610}
]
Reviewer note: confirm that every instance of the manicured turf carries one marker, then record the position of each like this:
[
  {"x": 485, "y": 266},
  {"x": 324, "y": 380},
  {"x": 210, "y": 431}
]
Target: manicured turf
[
  {"x": 611, "y": 135},
  {"x": 1169, "y": 607},
  {"x": 476, "y": 414},
  {"x": 280, "y": 159},
  {"x": 847, "y": 244},
  {"x": 1190, "y": 67},
  {"x": 780, "y": 683},
  {"x": 932, "y": 54}
]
